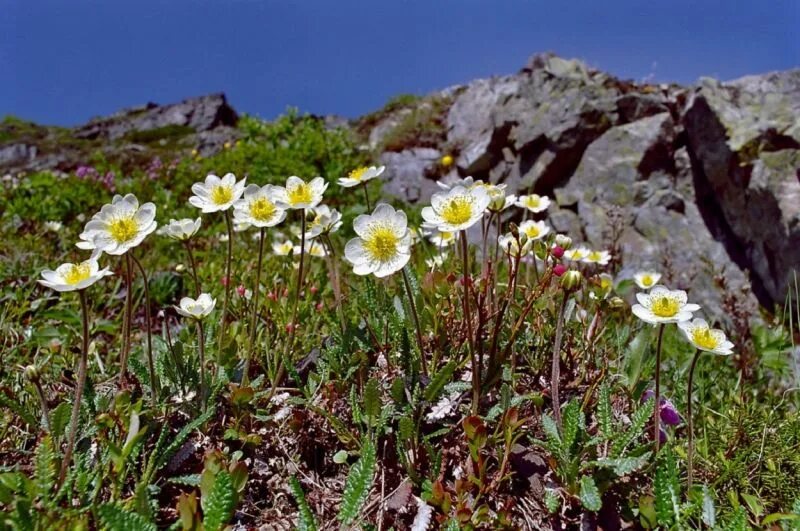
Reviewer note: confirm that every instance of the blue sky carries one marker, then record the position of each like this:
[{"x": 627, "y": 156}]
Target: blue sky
[{"x": 64, "y": 61}]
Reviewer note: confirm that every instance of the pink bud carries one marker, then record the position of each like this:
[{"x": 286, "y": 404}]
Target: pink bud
[
  {"x": 240, "y": 290},
  {"x": 272, "y": 296},
  {"x": 313, "y": 290},
  {"x": 557, "y": 251},
  {"x": 320, "y": 306},
  {"x": 289, "y": 328},
  {"x": 286, "y": 292},
  {"x": 559, "y": 269},
  {"x": 224, "y": 281}
]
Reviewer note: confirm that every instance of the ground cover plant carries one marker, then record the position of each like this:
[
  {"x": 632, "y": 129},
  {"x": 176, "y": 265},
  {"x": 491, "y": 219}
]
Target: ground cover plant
[{"x": 262, "y": 338}]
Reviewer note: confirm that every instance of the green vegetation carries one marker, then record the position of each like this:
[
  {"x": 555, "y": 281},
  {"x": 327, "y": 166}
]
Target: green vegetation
[{"x": 360, "y": 411}]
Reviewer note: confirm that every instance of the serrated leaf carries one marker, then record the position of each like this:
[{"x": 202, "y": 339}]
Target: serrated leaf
[
  {"x": 709, "y": 510},
  {"x": 551, "y": 432},
  {"x": 114, "y": 518},
  {"x": 590, "y": 495},
  {"x": 182, "y": 435},
  {"x": 219, "y": 504},
  {"x": 573, "y": 422},
  {"x": 639, "y": 421},
  {"x": 423, "y": 518},
  {"x": 372, "y": 401},
  {"x": 624, "y": 465},
  {"x": 604, "y": 414},
  {"x": 439, "y": 380},
  {"x": 358, "y": 484},
  {"x": 305, "y": 518},
  {"x": 45, "y": 467},
  {"x": 59, "y": 418},
  {"x": 190, "y": 480},
  {"x": 552, "y": 501}
]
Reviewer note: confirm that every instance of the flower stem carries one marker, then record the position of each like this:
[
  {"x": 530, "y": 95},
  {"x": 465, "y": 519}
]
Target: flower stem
[
  {"x": 79, "y": 384},
  {"x": 45, "y": 409},
  {"x": 366, "y": 196},
  {"x": 416, "y": 322},
  {"x": 228, "y": 258},
  {"x": 201, "y": 345},
  {"x": 193, "y": 265},
  {"x": 126, "y": 321},
  {"x": 657, "y": 407},
  {"x": 335, "y": 280},
  {"x": 476, "y": 370},
  {"x": 148, "y": 327},
  {"x": 689, "y": 421},
  {"x": 292, "y": 331},
  {"x": 254, "y": 320},
  {"x": 555, "y": 373}
]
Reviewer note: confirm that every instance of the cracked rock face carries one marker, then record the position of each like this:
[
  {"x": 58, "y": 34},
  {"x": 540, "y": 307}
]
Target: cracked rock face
[{"x": 691, "y": 181}]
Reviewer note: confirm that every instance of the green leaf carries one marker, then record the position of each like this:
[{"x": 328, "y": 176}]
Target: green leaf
[
  {"x": 639, "y": 421},
  {"x": 358, "y": 484},
  {"x": 219, "y": 504},
  {"x": 709, "y": 510},
  {"x": 59, "y": 418},
  {"x": 15, "y": 407},
  {"x": 372, "y": 401},
  {"x": 114, "y": 518},
  {"x": 573, "y": 423},
  {"x": 45, "y": 467},
  {"x": 182, "y": 435},
  {"x": 551, "y": 431},
  {"x": 552, "y": 501},
  {"x": 623, "y": 466},
  {"x": 439, "y": 380},
  {"x": 590, "y": 496},
  {"x": 305, "y": 519},
  {"x": 667, "y": 489}
]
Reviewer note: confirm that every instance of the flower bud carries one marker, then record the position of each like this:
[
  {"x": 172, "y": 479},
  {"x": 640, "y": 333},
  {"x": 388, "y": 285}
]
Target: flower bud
[
  {"x": 557, "y": 251},
  {"x": 616, "y": 302},
  {"x": 180, "y": 268},
  {"x": 447, "y": 161},
  {"x": 32, "y": 373},
  {"x": 559, "y": 269},
  {"x": 565, "y": 242},
  {"x": 224, "y": 281},
  {"x": 571, "y": 280},
  {"x": 241, "y": 290}
]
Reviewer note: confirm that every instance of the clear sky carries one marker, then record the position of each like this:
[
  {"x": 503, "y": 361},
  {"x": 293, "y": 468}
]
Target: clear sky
[{"x": 64, "y": 61}]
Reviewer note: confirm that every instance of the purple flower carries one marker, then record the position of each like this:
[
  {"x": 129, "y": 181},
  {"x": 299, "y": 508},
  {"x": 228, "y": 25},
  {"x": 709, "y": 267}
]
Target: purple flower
[{"x": 668, "y": 411}]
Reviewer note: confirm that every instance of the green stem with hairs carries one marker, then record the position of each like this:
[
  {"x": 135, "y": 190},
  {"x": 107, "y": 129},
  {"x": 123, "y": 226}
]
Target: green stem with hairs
[
  {"x": 657, "y": 408},
  {"x": 254, "y": 320},
  {"x": 193, "y": 265},
  {"x": 148, "y": 327},
  {"x": 476, "y": 370},
  {"x": 555, "y": 374},
  {"x": 228, "y": 281},
  {"x": 690, "y": 422},
  {"x": 126, "y": 321},
  {"x": 201, "y": 345},
  {"x": 417, "y": 326}
]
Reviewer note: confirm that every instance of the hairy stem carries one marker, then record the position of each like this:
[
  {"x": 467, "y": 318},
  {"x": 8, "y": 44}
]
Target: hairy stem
[
  {"x": 193, "y": 265},
  {"x": 254, "y": 320},
  {"x": 148, "y": 327},
  {"x": 417, "y": 326},
  {"x": 126, "y": 321},
  {"x": 555, "y": 373},
  {"x": 657, "y": 408},
  {"x": 366, "y": 196},
  {"x": 476, "y": 370},
  {"x": 201, "y": 345},
  {"x": 228, "y": 259},
  {"x": 79, "y": 384},
  {"x": 689, "y": 421}
]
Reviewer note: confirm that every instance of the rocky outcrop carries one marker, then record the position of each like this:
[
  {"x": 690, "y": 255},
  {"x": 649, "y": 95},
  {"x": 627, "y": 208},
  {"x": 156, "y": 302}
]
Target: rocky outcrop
[
  {"x": 129, "y": 137},
  {"x": 693, "y": 181}
]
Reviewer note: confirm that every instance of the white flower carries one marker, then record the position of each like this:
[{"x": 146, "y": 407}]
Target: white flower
[
  {"x": 299, "y": 194},
  {"x": 361, "y": 175},
  {"x": 499, "y": 201},
  {"x": 534, "y": 230},
  {"x": 646, "y": 279},
  {"x": 436, "y": 261},
  {"x": 282, "y": 248},
  {"x": 196, "y": 309},
  {"x": 180, "y": 229},
  {"x": 597, "y": 257},
  {"x": 119, "y": 226},
  {"x": 706, "y": 338},
  {"x": 53, "y": 226},
  {"x": 73, "y": 277},
  {"x": 577, "y": 254},
  {"x": 534, "y": 203},
  {"x": 467, "y": 182},
  {"x": 217, "y": 194},
  {"x": 383, "y": 245},
  {"x": 258, "y": 207},
  {"x": 326, "y": 220},
  {"x": 457, "y": 209},
  {"x": 511, "y": 245},
  {"x": 436, "y": 237},
  {"x": 663, "y": 306},
  {"x": 312, "y": 249}
]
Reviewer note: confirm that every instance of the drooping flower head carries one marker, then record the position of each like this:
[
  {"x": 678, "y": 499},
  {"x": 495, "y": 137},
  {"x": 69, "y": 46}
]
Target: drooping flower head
[
  {"x": 534, "y": 230},
  {"x": 513, "y": 246},
  {"x": 436, "y": 237},
  {"x": 498, "y": 200},
  {"x": 282, "y": 248},
  {"x": 180, "y": 229},
  {"x": 119, "y": 226},
  {"x": 361, "y": 175},
  {"x": 535, "y": 203},
  {"x": 662, "y": 305},
  {"x": 196, "y": 308},
  {"x": 597, "y": 257},
  {"x": 457, "y": 209},
  {"x": 258, "y": 207},
  {"x": 215, "y": 194},
  {"x": 326, "y": 220},
  {"x": 646, "y": 279},
  {"x": 383, "y": 242},
  {"x": 703, "y": 337},
  {"x": 298, "y": 194},
  {"x": 74, "y": 277}
]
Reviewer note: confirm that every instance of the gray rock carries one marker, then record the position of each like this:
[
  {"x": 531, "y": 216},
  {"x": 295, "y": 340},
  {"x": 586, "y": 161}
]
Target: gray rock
[{"x": 406, "y": 172}]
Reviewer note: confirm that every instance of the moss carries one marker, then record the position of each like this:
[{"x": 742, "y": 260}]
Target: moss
[
  {"x": 424, "y": 126},
  {"x": 168, "y": 132}
]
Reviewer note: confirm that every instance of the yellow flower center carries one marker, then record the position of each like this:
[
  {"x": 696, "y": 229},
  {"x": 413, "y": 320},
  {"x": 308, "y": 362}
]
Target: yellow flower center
[
  {"x": 221, "y": 194},
  {"x": 381, "y": 243},
  {"x": 647, "y": 280},
  {"x": 532, "y": 201},
  {"x": 300, "y": 193},
  {"x": 123, "y": 230},
  {"x": 262, "y": 209},
  {"x": 594, "y": 256},
  {"x": 703, "y": 338},
  {"x": 664, "y": 306},
  {"x": 457, "y": 210},
  {"x": 532, "y": 232},
  {"x": 358, "y": 173},
  {"x": 77, "y": 273},
  {"x": 447, "y": 160}
]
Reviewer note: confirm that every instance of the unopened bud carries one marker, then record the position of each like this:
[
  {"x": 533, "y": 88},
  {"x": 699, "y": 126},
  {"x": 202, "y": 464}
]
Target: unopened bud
[
  {"x": 565, "y": 242},
  {"x": 571, "y": 280},
  {"x": 32, "y": 373},
  {"x": 241, "y": 290},
  {"x": 616, "y": 302},
  {"x": 559, "y": 269},
  {"x": 557, "y": 251},
  {"x": 180, "y": 268}
]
